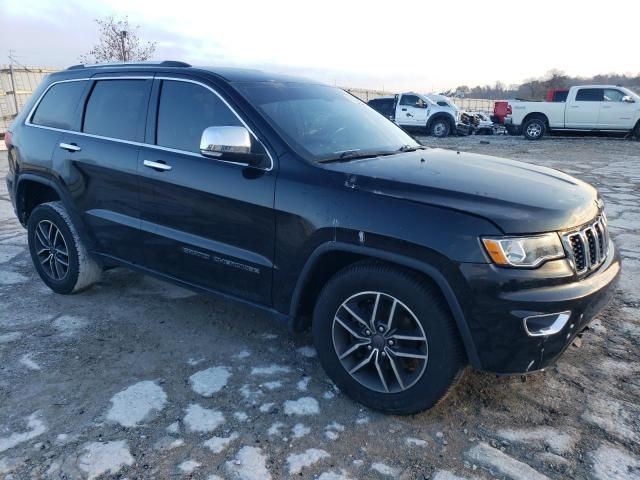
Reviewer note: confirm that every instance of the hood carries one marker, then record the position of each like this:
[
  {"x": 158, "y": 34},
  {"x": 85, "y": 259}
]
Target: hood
[{"x": 518, "y": 197}]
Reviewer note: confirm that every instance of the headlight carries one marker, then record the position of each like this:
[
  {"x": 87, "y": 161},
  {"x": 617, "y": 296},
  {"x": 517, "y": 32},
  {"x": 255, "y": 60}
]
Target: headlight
[{"x": 524, "y": 251}]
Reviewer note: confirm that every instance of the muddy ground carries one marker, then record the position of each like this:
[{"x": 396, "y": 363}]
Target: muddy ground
[{"x": 136, "y": 378}]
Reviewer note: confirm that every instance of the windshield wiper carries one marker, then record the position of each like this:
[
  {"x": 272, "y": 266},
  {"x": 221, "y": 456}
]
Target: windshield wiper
[
  {"x": 411, "y": 148},
  {"x": 348, "y": 155}
]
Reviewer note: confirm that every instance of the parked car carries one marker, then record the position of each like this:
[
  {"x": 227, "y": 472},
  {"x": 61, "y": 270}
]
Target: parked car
[
  {"x": 598, "y": 108},
  {"x": 417, "y": 111},
  {"x": 408, "y": 263}
]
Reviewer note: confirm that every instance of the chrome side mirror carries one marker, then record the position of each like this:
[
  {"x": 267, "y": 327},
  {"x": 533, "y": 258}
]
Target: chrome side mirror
[
  {"x": 628, "y": 99},
  {"x": 232, "y": 144}
]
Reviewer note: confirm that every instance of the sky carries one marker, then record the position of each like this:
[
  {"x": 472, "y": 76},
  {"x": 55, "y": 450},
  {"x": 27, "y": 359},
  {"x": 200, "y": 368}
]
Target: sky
[{"x": 395, "y": 46}]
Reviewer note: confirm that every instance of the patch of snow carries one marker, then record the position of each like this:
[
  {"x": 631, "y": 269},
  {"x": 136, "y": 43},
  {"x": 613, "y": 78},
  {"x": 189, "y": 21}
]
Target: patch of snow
[
  {"x": 188, "y": 466},
  {"x": 174, "y": 428},
  {"x": 417, "y": 442},
  {"x": 612, "y": 463},
  {"x": 335, "y": 426},
  {"x": 266, "y": 407},
  {"x": 328, "y": 395},
  {"x": 302, "y": 406},
  {"x": 274, "y": 429},
  {"x": 178, "y": 442},
  {"x": 195, "y": 361},
  {"x": 446, "y": 475},
  {"x": 99, "y": 458},
  {"x": 249, "y": 464},
  {"x": 334, "y": 476},
  {"x": 299, "y": 430},
  {"x": 331, "y": 435},
  {"x": 242, "y": 354},
  {"x": 136, "y": 403},
  {"x": 272, "y": 369},
  {"x": 28, "y": 362},
  {"x": 303, "y": 384},
  {"x": 240, "y": 416},
  {"x": 383, "y": 469},
  {"x": 10, "y": 337},
  {"x": 269, "y": 336},
  {"x": 8, "y": 465},
  {"x": 307, "y": 458},
  {"x": 200, "y": 419},
  {"x": 209, "y": 381},
  {"x": 36, "y": 428},
  {"x": 11, "y": 278},
  {"x": 506, "y": 465},
  {"x": 559, "y": 442},
  {"x": 7, "y": 252},
  {"x": 307, "y": 351},
  {"x": 218, "y": 444},
  {"x": 250, "y": 395},
  {"x": 68, "y": 325},
  {"x": 168, "y": 443},
  {"x": 612, "y": 416},
  {"x": 272, "y": 385},
  {"x": 214, "y": 477},
  {"x": 362, "y": 420}
]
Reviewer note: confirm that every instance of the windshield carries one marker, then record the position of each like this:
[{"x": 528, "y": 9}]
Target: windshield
[{"x": 322, "y": 122}]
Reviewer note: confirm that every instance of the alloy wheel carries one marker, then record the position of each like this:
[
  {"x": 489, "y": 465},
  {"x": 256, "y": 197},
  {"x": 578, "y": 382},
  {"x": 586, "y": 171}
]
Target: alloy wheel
[
  {"x": 51, "y": 250},
  {"x": 534, "y": 130},
  {"x": 380, "y": 342}
]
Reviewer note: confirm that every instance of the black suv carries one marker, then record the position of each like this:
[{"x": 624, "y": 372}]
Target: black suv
[{"x": 408, "y": 263}]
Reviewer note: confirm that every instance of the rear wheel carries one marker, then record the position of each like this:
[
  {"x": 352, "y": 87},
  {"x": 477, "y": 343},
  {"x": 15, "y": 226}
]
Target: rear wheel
[
  {"x": 57, "y": 252},
  {"x": 386, "y": 338},
  {"x": 440, "y": 128},
  {"x": 534, "y": 128}
]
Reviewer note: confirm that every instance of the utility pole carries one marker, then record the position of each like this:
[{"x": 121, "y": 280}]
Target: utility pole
[
  {"x": 13, "y": 82},
  {"x": 123, "y": 35}
]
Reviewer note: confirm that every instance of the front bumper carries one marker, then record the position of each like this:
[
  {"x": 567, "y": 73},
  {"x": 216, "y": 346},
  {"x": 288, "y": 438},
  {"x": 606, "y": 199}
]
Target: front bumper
[{"x": 500, "y": 299}]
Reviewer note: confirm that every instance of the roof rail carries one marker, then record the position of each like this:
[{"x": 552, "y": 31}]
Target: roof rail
[{"x": 165, "y": 63}]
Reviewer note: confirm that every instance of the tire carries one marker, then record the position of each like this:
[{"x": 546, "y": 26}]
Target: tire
[
  {"x": 54, "y": 241},
  {"x": 420, "y": 311},
  {"x": 534, "y": 128},
  {"x": 636, "y": 132},
  {"x": 440, "y": 128}
]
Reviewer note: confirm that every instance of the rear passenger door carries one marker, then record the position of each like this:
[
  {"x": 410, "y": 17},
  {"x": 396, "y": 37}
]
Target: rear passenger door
[
  {"x": 583, "y": 111},
  {"x": 206, "y": 222},
  {"x": 99, "y": 163}
]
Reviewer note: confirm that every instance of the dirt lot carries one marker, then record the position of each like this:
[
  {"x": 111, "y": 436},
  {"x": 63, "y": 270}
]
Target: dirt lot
[{"x": 140, "y": 379}]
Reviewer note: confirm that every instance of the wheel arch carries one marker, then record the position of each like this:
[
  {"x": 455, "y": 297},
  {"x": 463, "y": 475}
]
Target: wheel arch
[
  {"x": 331, "y": 257},
  {"x": 539, "y": 115},
  {"x": 442, "y": 115},
  {"x": 34, "y": 189}
]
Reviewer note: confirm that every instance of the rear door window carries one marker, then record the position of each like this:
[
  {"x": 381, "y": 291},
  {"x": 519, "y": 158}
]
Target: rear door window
[
  {"x": 185, "y": 111},
  {"x": 58, "y": 108},
  {"x": 590, "y": 95},
  {"x": 117, "y": 109}
]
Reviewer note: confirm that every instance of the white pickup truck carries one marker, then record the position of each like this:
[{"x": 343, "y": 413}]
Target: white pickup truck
[
  {"x": 603, "y": 108},
  {"x": 418, "y": 111}
]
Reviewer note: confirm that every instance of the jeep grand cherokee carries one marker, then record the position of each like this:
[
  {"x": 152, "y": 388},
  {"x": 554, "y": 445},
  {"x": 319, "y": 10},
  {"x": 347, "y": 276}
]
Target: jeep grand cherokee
[{"x": 408, "y": 263}]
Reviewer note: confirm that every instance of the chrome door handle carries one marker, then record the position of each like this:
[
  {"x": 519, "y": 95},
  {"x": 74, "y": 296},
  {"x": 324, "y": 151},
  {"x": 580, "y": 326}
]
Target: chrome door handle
[
  {"x": 70, "y": 147},
  {"x": 157, "y": 165}
]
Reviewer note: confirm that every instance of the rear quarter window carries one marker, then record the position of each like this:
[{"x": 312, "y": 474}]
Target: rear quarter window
[{"x": 59, "y": 106}]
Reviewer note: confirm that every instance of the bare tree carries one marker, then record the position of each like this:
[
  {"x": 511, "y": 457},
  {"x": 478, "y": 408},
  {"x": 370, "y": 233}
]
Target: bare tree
[{"x": 119, "y": 42}]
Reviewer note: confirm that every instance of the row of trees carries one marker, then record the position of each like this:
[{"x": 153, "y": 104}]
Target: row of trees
[{"x": 536, "y": 88}]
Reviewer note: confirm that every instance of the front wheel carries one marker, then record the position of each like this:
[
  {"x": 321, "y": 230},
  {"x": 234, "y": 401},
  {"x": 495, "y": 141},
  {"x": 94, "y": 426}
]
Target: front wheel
[
  {"x": 534, "y": 129},
  {"x": 386, "y": 338},
  {"x": 440, "y": 128}
]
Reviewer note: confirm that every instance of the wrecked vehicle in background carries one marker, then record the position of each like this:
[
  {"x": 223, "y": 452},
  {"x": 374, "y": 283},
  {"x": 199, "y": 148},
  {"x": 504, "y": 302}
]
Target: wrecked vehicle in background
[{"x": 417, "y": 111}]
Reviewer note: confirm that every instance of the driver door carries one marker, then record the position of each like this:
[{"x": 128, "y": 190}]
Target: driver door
[
  {"x": 616, "y": 114},
  {"x": 206, "y": 222},
  {"x": 410, "y": 112}
]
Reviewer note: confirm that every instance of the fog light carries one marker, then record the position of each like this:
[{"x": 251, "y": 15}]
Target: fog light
[{"x": 544, "y": 325}]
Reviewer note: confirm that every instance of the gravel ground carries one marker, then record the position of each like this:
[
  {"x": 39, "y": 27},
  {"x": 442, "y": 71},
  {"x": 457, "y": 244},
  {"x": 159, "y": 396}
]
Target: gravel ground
[{"x": 136, "y": 378}]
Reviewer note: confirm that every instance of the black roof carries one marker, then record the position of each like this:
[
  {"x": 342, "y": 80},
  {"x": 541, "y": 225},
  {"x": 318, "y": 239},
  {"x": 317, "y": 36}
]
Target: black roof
[{"x": 230, "y": 74}]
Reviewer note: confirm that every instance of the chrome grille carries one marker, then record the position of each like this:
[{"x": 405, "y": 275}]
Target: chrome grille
[{"x": 589, "y": 245}]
